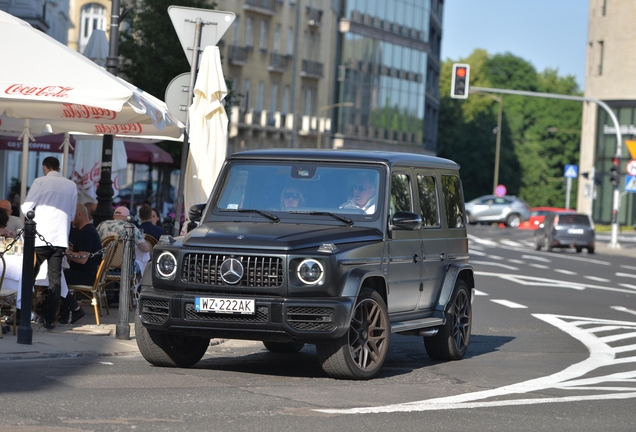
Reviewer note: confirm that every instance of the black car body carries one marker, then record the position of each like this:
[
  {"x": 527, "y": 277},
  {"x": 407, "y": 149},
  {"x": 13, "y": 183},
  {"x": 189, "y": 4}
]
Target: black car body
[
  {"x": 565, "y": 230},
  {"x": 327, "y": 273}
]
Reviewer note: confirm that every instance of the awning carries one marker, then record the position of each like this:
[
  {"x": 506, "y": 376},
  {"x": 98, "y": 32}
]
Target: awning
[
  {"x": 44, "y": 143},
  {"x": 146, "y": 153}
]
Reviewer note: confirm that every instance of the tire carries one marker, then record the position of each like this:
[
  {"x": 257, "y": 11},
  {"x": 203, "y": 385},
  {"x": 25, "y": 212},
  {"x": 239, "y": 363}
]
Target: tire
[
  {"x": 537, "y": 243},
  {"x": 452, "y": 339},
  {"x": 590, "y": 250},
  {"x": 169, "y": 350},
  {"x": 360, "y": 353},
  {"x": 579, "y": 249},
  {"x": 284, "y": 347},
  {"x": 548, "y": 245},
  {"x": 513, "y": 220}
]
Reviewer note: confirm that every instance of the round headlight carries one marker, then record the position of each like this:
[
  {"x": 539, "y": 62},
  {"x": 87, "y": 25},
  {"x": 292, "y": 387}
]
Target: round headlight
[
  {"x": 166, "y": 265},
  {"x": 310, "y": 271}
]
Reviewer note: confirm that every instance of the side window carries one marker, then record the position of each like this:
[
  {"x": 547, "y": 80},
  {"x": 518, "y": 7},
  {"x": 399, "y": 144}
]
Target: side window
[
  {"x": 453, "y": 201},
  {"x": 429, "y": 209},
  {"x": 400, "y": 193}
]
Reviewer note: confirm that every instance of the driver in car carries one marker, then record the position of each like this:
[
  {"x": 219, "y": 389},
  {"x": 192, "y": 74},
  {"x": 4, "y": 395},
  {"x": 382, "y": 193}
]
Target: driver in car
[{"x": 364, "y": 195}]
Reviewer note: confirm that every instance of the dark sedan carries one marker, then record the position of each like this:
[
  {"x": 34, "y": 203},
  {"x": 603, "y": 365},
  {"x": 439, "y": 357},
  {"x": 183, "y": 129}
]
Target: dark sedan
[{"x": 565, "y": 230}]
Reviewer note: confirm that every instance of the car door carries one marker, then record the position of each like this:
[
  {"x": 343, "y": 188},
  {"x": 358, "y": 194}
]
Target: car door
[
  {"x": 404, "y": 249},
  {"x": 434, "y": 242}
]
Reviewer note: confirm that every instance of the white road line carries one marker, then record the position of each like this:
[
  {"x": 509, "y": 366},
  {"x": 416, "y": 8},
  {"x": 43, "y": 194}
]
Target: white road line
[
  {"x": 486, "y": 263},
  {"x": 475, "y": 252},
  {"x": 614, "y": 338},
  {"x": 481, "y": 241},
  {"x": 567, "y": 272},
  {"x": 536, "y": 258},
  {"x": 541, "y": 266},
  {"x": 555, "y": 283},
  {"x": 496, "y": 257},
  {"x": 510, "y": 243},
  {"x": 626, "y": 275},
  {"x": 596, "y": 278},
  {"x": 628, "y": 286},
  {"x": 479, "y": 293},
  {"x": 623, "y": 309},
  {"x": 628, "y": 267},
  {"x": 508, "y": 303},
  {"x": 516, "y": 261}
]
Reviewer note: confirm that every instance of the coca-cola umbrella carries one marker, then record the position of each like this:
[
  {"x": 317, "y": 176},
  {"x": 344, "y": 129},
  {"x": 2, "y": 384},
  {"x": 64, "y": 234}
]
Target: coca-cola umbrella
[{"x": 72, "y": 95}]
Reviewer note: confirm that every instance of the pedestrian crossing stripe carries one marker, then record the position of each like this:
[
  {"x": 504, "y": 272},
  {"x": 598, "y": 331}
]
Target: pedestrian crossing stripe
[
  {"x": 571, "y": 171},
  {"x": 630, "y": 183}
]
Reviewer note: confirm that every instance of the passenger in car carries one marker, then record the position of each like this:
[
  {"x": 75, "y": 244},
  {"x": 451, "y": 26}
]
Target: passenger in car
[{"x": 291, "y": 198}]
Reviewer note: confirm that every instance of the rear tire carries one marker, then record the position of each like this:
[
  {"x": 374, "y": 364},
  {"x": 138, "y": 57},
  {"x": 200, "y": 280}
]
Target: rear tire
[
  {"x": 537, "y": 243},
  {"x": 590, "y": 250},
  {"x": 579, "y": 249},
  {"x": 361, "y": 351},
  {"x": 169, "y": 350},
  {"x": 451, "y": 341},
  {"x": 513, "y": 220},
  {"x": 284, "y": 347}
]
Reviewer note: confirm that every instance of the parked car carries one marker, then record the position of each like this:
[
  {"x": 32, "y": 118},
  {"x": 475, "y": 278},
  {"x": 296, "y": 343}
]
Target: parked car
[
  {"x": 565, "y": 230},
  {"x": 537, "y": 215},
  {"x": 508, "y": 209},
  {"x": 338, "y": 249},
  {"x": 140, "y": 190}
]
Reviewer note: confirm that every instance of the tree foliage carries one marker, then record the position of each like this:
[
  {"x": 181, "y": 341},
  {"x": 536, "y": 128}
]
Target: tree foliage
[{"x": 539, "y": 136}]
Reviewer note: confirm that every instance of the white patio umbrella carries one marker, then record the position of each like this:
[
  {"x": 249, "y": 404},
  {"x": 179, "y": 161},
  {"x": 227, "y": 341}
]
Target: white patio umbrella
[
  {"x": 61, "y": 88},
  {"x": 208, "y": 129}
]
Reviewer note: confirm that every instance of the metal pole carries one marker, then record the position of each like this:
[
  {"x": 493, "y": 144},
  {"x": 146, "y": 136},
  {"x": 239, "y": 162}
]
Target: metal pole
[
  {"x": 186, "y": 138},
  {"x": 568, "y": 190},
  {"x": 498, "y": 145},
  {"x": 25, "y": 332},
  {"x": 619, "y": 141},
  {"x": 292, "y": 141},
  {"x": 122, "y": 329}
]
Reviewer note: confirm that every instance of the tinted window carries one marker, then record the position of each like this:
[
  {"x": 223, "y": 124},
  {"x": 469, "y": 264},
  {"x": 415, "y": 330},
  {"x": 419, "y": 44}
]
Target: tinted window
[
  {"x": 574, "y": 220},
  {"x": 453, "y": 201},
  {"x": 428, "y": 200},
  {"x": 400, "y": 193}
]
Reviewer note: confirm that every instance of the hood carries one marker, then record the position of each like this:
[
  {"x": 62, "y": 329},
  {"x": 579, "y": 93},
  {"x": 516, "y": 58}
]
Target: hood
[{"x": 282, "y": 236}]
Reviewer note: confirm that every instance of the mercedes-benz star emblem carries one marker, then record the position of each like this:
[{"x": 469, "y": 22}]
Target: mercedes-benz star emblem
[{"x": 231, "y": 271}]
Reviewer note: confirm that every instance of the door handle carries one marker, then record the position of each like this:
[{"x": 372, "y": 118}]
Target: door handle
[
  {"x": 442, "y": 256},
  {"x": 415, "y": 257}
]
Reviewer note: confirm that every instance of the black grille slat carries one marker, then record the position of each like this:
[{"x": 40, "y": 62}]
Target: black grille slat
[
  {"x": 155, "y": 311},
  {"x": 259, "y": 271},
  {"x": 311, "y": 318},
  {"x": 261, "y": 316}
]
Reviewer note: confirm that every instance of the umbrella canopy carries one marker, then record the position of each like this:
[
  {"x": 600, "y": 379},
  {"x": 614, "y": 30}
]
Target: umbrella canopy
[
  {"x": 207, "y": 131},
  {"x": 146, "y": 153}
]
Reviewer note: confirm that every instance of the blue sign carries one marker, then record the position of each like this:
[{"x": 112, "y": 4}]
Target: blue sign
[
  {"x": 630, "y": 183},
  {"x": 571, "y": 171}
]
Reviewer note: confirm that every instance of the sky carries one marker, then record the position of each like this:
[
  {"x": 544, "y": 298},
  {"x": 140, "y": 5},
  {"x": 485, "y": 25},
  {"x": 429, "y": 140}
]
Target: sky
[{"x": 547, "y": 33}]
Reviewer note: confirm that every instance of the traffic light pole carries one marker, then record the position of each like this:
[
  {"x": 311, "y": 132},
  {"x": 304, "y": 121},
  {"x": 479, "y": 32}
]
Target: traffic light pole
[{"x": 619, "y": 141}]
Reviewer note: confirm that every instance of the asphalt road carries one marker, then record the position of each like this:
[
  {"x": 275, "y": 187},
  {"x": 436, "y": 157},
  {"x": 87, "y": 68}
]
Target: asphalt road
[{"x": 553, "y": 348}]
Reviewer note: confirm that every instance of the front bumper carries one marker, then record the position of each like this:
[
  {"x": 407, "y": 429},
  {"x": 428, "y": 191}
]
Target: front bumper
[{"x": 276, "y": 319}]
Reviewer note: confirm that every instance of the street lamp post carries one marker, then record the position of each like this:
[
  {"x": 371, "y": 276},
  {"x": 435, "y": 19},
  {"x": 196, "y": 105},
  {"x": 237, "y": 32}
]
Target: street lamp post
[{"x": 326, "y": 108}]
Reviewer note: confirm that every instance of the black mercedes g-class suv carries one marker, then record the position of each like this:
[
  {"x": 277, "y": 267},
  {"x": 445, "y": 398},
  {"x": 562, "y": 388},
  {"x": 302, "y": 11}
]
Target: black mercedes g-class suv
[{"x": 327, "y": 247}]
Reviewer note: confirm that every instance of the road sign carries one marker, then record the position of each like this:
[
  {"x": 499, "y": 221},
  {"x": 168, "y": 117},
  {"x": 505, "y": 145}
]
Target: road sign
[
  {"x": 177, "y": 96},
  {"x": 571, "y": 171},
  {"x": 631, "y": 146},
  {"x": 630, "y": 183},
  {"x": 630, "y": 169},
  {"x": 500, "y": 190}
]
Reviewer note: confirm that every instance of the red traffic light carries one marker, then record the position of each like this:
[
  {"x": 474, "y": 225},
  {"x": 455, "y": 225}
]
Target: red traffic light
[
  {"x": 615, "y": 161},
  {"x": 460, "y": 72}
]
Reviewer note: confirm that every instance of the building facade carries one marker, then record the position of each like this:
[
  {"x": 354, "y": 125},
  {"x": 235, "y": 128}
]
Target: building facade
[{"x": 608, "y": 77}]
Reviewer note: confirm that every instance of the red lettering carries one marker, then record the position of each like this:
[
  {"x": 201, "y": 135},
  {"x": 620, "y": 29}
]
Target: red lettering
[
  {"x": 125, "y": 129},
  {"x": 44, "y": 91},
  {"x": 87, "y": 112}
]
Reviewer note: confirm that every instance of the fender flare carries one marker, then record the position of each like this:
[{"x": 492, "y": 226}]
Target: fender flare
[
  {"x": 355, "y": 279},
  {"x": 454, "y": 272}
]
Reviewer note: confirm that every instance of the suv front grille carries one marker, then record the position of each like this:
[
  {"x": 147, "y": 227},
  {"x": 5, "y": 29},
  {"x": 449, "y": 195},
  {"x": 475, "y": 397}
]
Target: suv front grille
[
  {"x": 311, "y": 318},
  {"x": 261, "y": 315},
  {"x": 154, "y": 311},
  {"x": 205, "y": 269}
]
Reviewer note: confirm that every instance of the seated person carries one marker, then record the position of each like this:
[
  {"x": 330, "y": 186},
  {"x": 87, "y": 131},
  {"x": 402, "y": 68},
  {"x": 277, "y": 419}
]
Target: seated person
[
  {"x": 15, "y": 224},
  {"x": 4, "y": 220},
  {"x": 291, "y": 198},
  {"x": 116, "y": 226},
  {"x": 364, "y": 195},
  {"x": 145, "y": 215}
]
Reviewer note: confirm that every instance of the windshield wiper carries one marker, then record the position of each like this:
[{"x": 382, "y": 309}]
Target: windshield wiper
[
  {"x": 321, "y": 213},
  {"x": 260, "y": 212}
]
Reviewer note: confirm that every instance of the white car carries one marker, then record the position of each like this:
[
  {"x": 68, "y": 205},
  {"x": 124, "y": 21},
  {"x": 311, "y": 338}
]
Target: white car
[{"x": 493, "y": 209}]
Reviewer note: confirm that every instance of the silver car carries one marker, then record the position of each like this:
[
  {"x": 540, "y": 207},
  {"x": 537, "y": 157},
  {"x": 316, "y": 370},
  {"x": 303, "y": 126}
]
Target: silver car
[{"x": 493, "y": 209}]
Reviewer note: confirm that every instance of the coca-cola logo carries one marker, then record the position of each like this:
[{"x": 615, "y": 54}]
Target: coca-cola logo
[
  {"x": 40, "y": 91},
  {"x": 123, "y": 129},
  {"x": 75, "y": 111}
]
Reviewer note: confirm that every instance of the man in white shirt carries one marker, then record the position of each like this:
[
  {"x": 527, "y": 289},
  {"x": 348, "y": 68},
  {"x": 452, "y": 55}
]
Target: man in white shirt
[
  {"x": 15, "y": 224},
  {"x": 54, "y": 200}
]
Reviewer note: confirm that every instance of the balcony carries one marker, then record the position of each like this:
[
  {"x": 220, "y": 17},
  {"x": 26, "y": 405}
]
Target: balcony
[
  {"x": 238, "y": 55},
  {"x": 263, "y": 7},
  {"x": 314, "y": 16},
  {"x": 278, "y": 63},
  {"x": 311, "y": 69},
  {"x": 263, "y": 122}
]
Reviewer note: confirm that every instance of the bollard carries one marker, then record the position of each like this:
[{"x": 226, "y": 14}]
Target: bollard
[
  {"x": 168, "y": 226},
  {"x": 25, "y": 332},
  {"x": 122, "y": 330}
]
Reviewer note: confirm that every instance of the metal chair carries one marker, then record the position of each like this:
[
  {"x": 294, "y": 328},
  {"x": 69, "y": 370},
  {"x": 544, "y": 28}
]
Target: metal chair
[
  {"x": 150, "y": 240},
  {"x": 116, "y": 264},
  {"x": 8, "y": 299}
]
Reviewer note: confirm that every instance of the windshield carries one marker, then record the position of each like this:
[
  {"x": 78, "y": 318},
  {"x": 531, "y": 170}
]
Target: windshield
[{"x": 301, "y": 190}]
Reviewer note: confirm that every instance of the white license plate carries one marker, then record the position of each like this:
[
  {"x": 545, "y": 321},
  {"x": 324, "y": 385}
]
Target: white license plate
[
  {"x": 225, "y": 305},
  {"x": 575, "y": 231}
]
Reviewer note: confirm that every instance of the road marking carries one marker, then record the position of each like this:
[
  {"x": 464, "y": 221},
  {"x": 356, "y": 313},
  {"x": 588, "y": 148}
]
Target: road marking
[
  {"x": 567, "y": 272},
  {"x": 628, "y": 267},
  {"x": 516, "y": 261},
  {"x": 596, "y": 278},
  {"x": 479, "y": 293},
  {"x": 623, "y": 309},
  {"x": 510, "y": 243},
  {"x": 626, "y": 275},
  {"x": 486, "y": 263},
  {"x": 481, "y": 241},
  {"x": 536, "y": 258},
  {"x": 475, "y": 252},
  {"x": 508, "y": 303},
  {"x": 601, "y": 356},
  {"x": 541, "y": 266},
  {"x": 555, "y": 283},
  {"x": 496, "y": 257}
]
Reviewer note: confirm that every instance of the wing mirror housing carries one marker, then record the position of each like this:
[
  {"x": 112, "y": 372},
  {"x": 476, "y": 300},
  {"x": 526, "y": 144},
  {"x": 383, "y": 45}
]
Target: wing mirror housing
[
  {"x": 196, "y": 212},
  {"x": 407, "y": 221}
]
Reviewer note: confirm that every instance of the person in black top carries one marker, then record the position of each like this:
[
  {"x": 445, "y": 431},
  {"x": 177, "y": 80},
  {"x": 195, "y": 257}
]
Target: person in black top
[
  {"x": 145, "y": 215},
  {"x": 84, "y": 241}
]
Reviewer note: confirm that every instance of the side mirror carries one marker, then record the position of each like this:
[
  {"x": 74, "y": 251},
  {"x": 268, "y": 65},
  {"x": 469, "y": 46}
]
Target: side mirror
[
  {"x": 407, "y": 220},
  {"x": 196, "y": 212}
]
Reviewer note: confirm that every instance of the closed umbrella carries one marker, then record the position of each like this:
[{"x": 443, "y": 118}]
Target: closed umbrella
[{"x": 207, "y": 131}]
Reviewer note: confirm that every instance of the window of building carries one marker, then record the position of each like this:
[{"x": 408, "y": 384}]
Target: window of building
[
  {"x": 289, "y": 43},
  {"x": 601, "y": 48},
  {"x": 262, "y": 43},
  {"x": 276, "y": 47},
  {"x": 247, "y": 84},
  {"x": 260, "y": 93},
  {"x": 286, "y": 100},
  {"x": 307, "y": 101},
  {"x": 92, "y": 17},
  {"x": 274, "y": 98},
  {"x": 248, "y": 32},
  {"x": 235, "y": 30}
]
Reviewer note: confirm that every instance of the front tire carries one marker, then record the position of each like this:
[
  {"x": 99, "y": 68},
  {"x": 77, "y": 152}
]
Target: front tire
[
  {"x": 284, "y": 347},
  {"x": 451, "y": 341},
  {"x": 169, "y": 350},
  {"x": 537, "y": 243},
  {"x": 513, "y": 220},
  {"x": 359, "y": 353}
]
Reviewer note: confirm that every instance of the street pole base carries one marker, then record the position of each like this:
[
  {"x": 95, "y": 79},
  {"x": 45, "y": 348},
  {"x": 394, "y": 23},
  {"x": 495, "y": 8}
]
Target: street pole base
[
  {"x": 25, "y": 335},
  {"x": 613, "y": 245},
  {"x": 122, "y": 331}
]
